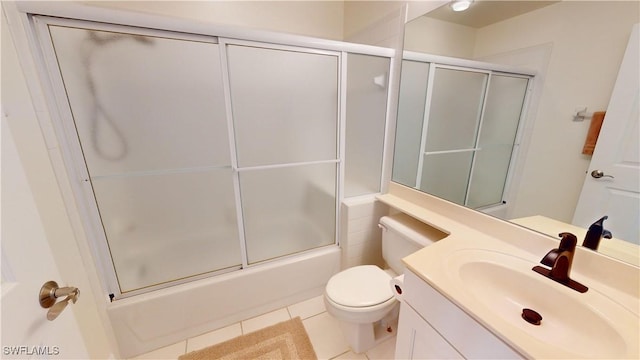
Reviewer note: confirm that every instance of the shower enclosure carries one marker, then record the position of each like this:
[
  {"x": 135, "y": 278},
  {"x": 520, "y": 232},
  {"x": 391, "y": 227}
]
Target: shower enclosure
[
  {"x": 458, "y": 125},
  {"x": 198, "y": 155}
]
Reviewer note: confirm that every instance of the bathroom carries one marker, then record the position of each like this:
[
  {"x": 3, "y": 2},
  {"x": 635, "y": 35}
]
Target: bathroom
[{"x": 339, "y": 19}]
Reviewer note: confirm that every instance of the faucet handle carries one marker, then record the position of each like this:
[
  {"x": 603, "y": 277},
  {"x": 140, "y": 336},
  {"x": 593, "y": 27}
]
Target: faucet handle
[
  {"x": 550, "y": 258},
  {"x": 568, "y": 241}
]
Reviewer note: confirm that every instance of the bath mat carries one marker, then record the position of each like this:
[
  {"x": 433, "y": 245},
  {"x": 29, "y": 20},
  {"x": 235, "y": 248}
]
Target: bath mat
[{"x": 286, "y": 340}]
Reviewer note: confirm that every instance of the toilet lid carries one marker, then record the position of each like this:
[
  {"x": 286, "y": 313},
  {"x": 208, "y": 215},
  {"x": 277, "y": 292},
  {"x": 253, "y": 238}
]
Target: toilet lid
[{"x": 360, "y": 286}]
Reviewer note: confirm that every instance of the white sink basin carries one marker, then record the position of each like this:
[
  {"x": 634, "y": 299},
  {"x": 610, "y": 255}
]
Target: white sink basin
[{"x": 589, "y": 325}]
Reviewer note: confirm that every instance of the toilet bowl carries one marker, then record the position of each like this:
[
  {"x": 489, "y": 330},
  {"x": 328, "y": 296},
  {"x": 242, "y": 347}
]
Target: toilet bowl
[{"x": 361, "y": 297}]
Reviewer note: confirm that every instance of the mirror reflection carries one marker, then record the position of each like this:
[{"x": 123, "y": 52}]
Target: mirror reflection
[
  {"x": 495, "y": 110},
  {"x": 457, "y": 128}
]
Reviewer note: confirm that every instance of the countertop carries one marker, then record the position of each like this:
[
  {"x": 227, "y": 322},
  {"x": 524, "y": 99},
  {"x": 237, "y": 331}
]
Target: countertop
[
  {"x": 616, "y": 248},
  {"x": 473, "y": 232}
]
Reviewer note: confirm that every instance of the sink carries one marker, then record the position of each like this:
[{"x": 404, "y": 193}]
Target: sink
[{"x": 588, "y": 325}]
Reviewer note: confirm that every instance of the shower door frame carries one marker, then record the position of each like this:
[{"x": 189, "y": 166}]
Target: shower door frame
[{"x": 87, "y": 224}]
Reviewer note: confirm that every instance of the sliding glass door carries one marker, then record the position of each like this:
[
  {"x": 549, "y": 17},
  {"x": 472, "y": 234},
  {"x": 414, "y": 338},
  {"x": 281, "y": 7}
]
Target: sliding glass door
[
  {"x": 201, "y": 156},
  {"x": 194, "y": 155},
  {"x": 285, "y": 118},
  {"x": 457, "y": 131},
  {"x": 450, "y": 132},
  {"x": 153, "y": 134},
  {"x": 497, "y": 139}
]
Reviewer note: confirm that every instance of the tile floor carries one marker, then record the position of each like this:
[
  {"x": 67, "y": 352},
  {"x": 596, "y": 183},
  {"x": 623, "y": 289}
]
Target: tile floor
[{"x": 324, "y": 332}]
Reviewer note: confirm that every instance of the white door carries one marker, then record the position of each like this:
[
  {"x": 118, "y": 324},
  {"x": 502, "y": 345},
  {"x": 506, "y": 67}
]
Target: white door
[
  {"x": 615, "y": 190},
  {"x": 27, "y": 263},
  {"x": 27, "y": 260},
  {"x": 418, "y": 340}
]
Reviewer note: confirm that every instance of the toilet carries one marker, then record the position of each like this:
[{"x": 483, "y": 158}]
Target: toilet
[{"x": 361, "y": 297}]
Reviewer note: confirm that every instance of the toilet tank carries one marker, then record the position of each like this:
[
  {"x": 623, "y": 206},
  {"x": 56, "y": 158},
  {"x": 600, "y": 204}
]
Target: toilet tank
[{"x": 403, "y": 235}]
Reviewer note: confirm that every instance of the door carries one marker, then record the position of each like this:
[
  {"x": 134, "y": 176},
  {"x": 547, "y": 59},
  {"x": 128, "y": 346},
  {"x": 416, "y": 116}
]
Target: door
[
  {"x": 150, "y": 140},
  {"x": 612, "y": 184},
  {"x": 27, "y": 260},
  {"x": 418, "y": 340},
  {"x": 27, "y": 263}
]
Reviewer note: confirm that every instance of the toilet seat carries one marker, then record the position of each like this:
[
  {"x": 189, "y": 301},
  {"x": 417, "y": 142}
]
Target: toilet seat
[{"x": 360, "y": 287}]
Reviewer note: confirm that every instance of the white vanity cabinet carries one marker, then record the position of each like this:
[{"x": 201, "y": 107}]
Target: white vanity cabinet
[
  {"x": 418, "y": 340},
  {"x": 432, "y": 327}
]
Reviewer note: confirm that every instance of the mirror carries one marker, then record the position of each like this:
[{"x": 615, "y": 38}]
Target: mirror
[{"x": 575, "y": 48}]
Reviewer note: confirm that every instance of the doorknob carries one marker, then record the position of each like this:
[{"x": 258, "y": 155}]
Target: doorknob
[
  {"x": 49, "y": 294},
  {"x": 599, "y": 174}
]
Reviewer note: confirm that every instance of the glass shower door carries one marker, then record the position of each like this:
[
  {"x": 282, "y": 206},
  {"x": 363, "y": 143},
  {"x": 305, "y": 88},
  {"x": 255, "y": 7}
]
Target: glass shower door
[
  {"x": 451, "y": 129},
  {"x": 153, "y": 134},
  {"x": 505, "y": 101},
  {"x": 285, "y": 116},
  {"x": 409, "y": 127},
  {"x": 457, "y": 129}
]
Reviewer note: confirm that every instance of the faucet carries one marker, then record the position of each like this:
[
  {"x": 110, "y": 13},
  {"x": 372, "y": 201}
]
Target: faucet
[
  {"x": 560, "y": 260},
  {"x": 595, "y": 233}
]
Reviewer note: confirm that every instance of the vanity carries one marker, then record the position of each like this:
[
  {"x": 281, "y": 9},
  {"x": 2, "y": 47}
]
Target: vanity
[{"x": 464, "y": 296}]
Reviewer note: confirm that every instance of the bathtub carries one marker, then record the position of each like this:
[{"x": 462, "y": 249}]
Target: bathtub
[
  {"x": 140, "y": 257},
  {"x": 163, "y": 317}
]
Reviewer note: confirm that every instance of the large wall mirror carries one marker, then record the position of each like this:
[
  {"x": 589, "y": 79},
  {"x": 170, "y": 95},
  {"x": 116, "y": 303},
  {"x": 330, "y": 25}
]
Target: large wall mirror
[{"x": 496, "y": 104}]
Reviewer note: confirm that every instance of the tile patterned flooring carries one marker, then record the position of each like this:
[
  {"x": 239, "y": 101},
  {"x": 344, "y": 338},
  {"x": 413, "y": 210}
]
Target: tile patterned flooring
[{"x": 323, "y": 329}]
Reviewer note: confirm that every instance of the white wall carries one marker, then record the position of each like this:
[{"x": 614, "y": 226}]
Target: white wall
[
  {"x": 382, "y": 23},
  {"x": 323, "y": 19},
  {"x": 437, "y": 37},
  {"x": 377, "y": 23},
  {"x": 588, "y": 41}
]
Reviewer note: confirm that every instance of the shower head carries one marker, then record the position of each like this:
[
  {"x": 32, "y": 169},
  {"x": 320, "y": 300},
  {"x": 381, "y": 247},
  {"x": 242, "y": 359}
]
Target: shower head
[{"x": 102, "y": 38}]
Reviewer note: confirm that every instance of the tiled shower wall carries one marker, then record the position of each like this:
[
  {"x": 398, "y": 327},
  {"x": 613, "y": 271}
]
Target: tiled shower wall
[{"x": 360, "y": 236}]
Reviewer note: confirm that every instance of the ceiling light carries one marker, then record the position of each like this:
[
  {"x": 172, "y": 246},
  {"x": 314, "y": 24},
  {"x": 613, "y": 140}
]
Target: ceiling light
[{"x": 460, "y": 5}]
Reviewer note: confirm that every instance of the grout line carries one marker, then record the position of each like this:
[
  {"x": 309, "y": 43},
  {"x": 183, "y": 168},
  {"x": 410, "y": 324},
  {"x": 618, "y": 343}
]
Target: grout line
[
  {"x": 186, "y": 346},
  {"x": 312, "y": 316},
  {"x": 340, "y": 354}
]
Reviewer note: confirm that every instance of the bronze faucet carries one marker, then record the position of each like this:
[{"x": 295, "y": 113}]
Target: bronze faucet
[
  {"x": 560, "y": 260},
  {"x": 595, "y": 233}
]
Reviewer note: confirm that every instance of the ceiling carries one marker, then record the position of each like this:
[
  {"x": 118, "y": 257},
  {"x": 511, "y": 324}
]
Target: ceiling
[{"x": 486, "y": 12}]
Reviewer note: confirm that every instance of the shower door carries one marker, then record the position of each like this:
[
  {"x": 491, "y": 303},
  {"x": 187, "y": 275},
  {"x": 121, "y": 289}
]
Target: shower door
[
  {"x": 449, "y": 135},
  {"x": 194, "y": 155},
  {"x": 497, "y": 141},
  {"x": 285, "y": 118},
  {"x": 153, "y": 134},
  {"x": 457, "y": 131}
]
